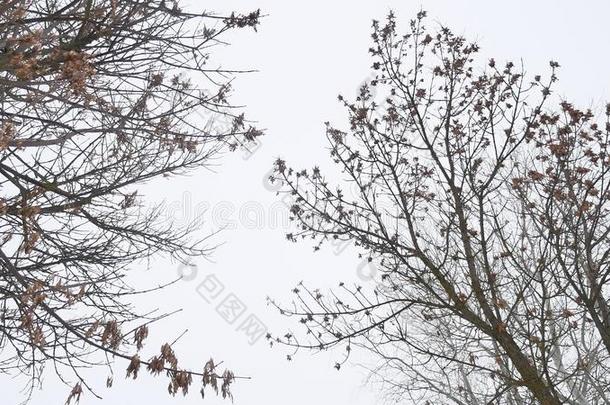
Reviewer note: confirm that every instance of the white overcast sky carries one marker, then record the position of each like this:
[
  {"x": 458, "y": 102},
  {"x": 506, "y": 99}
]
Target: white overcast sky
[{"x": 306, "y": 53}]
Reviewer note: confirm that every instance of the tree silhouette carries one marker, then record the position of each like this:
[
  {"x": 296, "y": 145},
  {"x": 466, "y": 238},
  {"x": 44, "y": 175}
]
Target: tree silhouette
[
  {"x": 97, "y": 97},
  {"x": 486, "y": 213}
]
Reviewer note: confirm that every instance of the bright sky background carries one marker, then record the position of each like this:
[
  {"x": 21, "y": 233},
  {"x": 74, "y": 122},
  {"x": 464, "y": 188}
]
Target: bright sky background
[{"x": 306, "y": 54}]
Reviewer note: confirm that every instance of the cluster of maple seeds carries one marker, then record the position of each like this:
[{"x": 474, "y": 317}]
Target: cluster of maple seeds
[
  {"x": 26, "y": 63},
  {"x": 181, "y": 143},
  {"x": 180, "y": 380},
  {"x": 7, "y": 134},
  {"x": 32, "y": 297},
  {"x": 31, "y": 236},
  {"x": 77, "y": 70}
]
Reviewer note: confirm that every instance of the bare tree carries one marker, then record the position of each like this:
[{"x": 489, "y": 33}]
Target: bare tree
[
  {"x": 486, "y": 213},
  {"x": 96, "y": 98}
]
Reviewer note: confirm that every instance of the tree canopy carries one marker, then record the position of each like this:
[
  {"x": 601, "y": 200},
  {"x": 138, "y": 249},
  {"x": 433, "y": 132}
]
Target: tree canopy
[
  {"x": 96, "y": 98},
  {"x": 483, "y": 201}
]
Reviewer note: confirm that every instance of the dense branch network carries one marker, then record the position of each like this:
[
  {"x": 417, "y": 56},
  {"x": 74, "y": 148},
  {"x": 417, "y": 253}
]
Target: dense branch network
[
  {"x": 96, "y": 98},
  {"x": 486, "y": 212}
]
